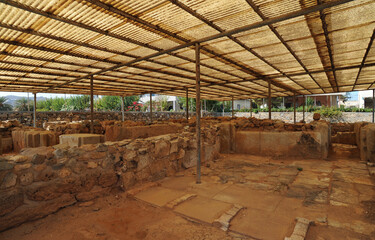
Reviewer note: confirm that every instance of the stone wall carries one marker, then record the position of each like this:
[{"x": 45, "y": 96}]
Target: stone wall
[
  {"x": 26, "y": 118},
  {"x": 366, "y": 141},
  {"x": 350, "y": 117},
  {"x": 275, "y": 138},
  {"x": 39, "y": 181}
]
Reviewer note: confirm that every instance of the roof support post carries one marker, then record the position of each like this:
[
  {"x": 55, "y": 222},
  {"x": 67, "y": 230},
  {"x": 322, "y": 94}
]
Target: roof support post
[
  {"x": 251, "y": 108},
  {"x": 28, "y": 103},
  {"x": 91, "y": 104},
  {"x": 294, "y": 108},
  {"x": 150, "y": 107},
  {"x": 232, "y": 107},
  {"x": 303, "y": 110},
  {"x": 269, "y": 100},
  {"x": 35, "y": 110},
  {"x": 223, "y": 107},
  {"x": 198, "y": 110},
  {"x": 373, "y": 105},
  {"x": 187, "y": 103},
  {"x": 122, "y": 109}
]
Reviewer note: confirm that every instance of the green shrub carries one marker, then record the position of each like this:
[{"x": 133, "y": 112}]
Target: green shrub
[{"x": 330, "y": 112}]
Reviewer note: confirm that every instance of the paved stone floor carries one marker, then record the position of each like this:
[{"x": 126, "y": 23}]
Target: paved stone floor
[{"x": 338, "y": 195}]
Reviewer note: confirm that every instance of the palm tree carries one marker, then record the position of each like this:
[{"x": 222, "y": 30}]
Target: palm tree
[
  {"x": 5, "y": 106},
  {"x": 21, "y": 105}
]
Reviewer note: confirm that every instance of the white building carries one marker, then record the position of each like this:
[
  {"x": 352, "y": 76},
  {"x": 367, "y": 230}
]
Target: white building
[
  {"x": 172, "y": 100},
  {"x": 358, "y": 99}
]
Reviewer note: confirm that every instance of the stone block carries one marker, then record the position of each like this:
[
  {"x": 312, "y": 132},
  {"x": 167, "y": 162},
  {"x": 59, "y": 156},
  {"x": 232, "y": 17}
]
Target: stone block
[
  {"x": 79, "y": 139},
  {"x": 24, "y": 138},
  {"x": 227, "y": 135},
  {"x": 6, "y": 144},
  {"x": 118, "y": 133},
  {"x": 345, "y": 138}
]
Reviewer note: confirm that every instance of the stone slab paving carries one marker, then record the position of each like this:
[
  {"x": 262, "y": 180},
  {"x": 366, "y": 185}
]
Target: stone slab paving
[
  {"x": 203, "y": 209},
  {"x": 259, "y": 224},
  {"x": 249, "y": 198},
  {"x": 274, "y": 193},
  {"x": 159, "y": 196}
]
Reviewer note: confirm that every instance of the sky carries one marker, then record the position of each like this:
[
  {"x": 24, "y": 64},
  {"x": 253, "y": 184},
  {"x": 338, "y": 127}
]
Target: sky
[{"x": 23, "y": 94}]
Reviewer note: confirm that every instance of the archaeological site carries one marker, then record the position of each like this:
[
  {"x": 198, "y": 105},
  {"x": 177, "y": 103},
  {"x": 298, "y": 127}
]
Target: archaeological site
[{"x": 205, "y": 166}]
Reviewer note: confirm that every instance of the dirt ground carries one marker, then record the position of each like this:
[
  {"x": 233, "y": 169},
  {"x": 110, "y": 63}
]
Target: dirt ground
[
  {"x": 114, "y": 218},
  {"x": 338, "y": 195}
]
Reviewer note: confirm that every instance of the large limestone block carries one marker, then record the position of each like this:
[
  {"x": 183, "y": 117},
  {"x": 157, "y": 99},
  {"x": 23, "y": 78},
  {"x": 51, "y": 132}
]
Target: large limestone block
[
  {"x": 79, "y": 139},
  {"x": 370, "y": 142},
  {"x": 29, "y": 138},
  {"x": 118, "y": 133},
  {"x": 247, "y": 142},
  {"x": 227, "y": 135},
  {"x": 357, "y": 131},
  {"x": 362, "y": 143},
  {"x": 6, "y": 144}
]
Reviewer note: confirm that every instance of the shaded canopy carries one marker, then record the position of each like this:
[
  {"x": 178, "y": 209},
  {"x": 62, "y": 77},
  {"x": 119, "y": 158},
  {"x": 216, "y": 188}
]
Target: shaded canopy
[{"x": 135, "y": 47}]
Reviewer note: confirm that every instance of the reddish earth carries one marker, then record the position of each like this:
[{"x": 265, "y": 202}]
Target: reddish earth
[{"x": 114, "y": 218}]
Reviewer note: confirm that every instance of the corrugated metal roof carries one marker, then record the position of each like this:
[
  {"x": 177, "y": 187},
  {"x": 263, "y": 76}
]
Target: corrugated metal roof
[{"x": 302, "y": 47}]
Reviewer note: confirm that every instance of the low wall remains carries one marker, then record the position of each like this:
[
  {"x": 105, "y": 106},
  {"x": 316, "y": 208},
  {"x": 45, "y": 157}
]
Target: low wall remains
[
  {"x": 39, "y": 181},
  {"x": 121, "y": 132},
  {"x": 26, "y": 118},
  {"x": 274, "y": 138},
  {"x": 349, "y": 117},
  {"x": 366, "y": 141}
]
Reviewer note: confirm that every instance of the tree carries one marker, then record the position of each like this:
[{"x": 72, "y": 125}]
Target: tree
[
  {"x": 21, "y": 105},
  {"x": 162, "y": 102},
  {"x": 3, "y": 105},
  {"x": 113, "y": 103},
  {"x": 109, "y": 103},
  {"x": 77, "y": 103}
]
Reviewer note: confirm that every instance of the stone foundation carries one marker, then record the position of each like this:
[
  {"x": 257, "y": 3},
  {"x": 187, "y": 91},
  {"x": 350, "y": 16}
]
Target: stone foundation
[
  {"x": 275, "y": 138},
  {"x": 40, "y": 181},
  {"x": 118, "y": 133}
]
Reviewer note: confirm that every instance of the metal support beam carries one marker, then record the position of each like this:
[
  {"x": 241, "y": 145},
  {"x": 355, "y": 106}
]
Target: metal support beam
[
  {"x": 28, "y": 103},
  {"x": 330, "y": 52},
  {"x": 198, "y": 112},
  {"x": 92, "y": 104},
  {"x": 364, "y": 58},
  {"x": 303, "y": 110},
  {"x": 122, "y": 109},
  {"x": 232, "y": 107},
  {"x": 251, "y": 107},
  {"x": 150, "y": 107},
  {"x": 223, "y": 108},
  {"x": 187, "y": 104},
  {"x": 373, "y": 105},
  {"x": 294, "y": 108},
  {"x": 35, "y": 110},
  {"x": 269, "y": 100}
]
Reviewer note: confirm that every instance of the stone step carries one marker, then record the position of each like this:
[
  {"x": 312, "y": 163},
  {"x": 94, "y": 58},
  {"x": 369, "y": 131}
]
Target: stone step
[
  {"x": 344, "y": 138},
  {"x": 344, "y": 150}
]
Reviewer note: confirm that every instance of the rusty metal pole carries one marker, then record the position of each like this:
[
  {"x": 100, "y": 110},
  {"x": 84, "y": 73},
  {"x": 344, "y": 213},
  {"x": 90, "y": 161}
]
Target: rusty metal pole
[
  {"x": 251, "y": 108},
  {"x": 373, "y": 105},
  {"x": 122, "y": 109},
  {"x": 187, "y": 104},
  {"x": 232, "y": 107},
  {"x": 35, "y": 110},
  {"x": 269, "y": 100},
  {"x": 150, "y": 107},
  {"x": 92, "y": 104},
  {"x": 303, "y": 110},
  {"x": 198, "y": 112},
  {"x": 294, "y": 108},
  {"x": 28, "y": 103}
]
